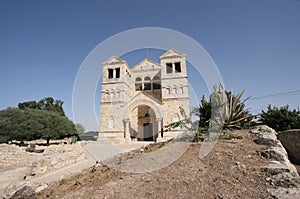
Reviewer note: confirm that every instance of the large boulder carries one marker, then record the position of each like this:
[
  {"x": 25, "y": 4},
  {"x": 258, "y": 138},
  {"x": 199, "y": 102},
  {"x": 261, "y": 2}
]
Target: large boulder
[
  {"x": 25, "y": 193},
  {"x": 265, "y": 135}
]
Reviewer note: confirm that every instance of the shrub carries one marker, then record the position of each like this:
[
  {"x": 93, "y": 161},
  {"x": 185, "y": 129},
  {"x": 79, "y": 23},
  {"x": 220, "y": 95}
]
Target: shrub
[{"x": 280, "y": 119}]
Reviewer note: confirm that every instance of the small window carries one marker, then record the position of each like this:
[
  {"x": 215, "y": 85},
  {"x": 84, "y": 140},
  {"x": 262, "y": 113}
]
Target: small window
[
  {"x": 110, "y": 73},
  {"x": 181, "y": 90},
  {"x": 168, "y": 91},
  {"x": 177, "y": 67},
  {"x": 147, "y": 86},
  {"x": 138, "y": 86},
  {"x": 117, "y": 72},
  {"x": 175, "y": 90},
  {"x": 138, "y": 79},
  {"x": 111, "y": 123},
  {"x": 156, "y": 83},
  {"x": 169, "y": 68},
  {"x": 156, "y": 86},
  {"x": 155, "y": 78}
]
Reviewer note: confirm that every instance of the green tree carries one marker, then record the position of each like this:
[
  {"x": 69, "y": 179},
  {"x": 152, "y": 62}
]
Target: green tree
[
  {"x": 280, "y": 119},
  {"x": 47, "y": 104},
  {"x": 31, "y": 124},
  {"x": 79, "y": 128},
  {"x": 203, "y": 111}
]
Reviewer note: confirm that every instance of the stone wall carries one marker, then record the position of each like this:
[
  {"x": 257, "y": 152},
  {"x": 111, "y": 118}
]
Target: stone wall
[
  {"x": 290, "y": 139},
  {"x": 53, "y": 157},
  {"x": 281, "y": 173}
]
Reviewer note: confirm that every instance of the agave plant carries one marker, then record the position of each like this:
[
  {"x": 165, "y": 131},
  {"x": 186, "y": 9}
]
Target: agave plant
[{"x": 236, "y": 114}]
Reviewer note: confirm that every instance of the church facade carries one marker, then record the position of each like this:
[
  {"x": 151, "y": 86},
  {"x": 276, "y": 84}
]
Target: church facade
[{"x": 137, "y": 102}]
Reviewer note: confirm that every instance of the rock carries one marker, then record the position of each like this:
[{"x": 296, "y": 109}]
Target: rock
[
  {"x": 273, "y": 153},
  {"x": 265, "y": 135},
  {"x": 25, "y": 193},
  {"x": 274, "y": 169},
  {"x": 41, "y": 188},
  {"x": 263, "y": 128},
  {"x": 240, "y": 166},
  {"x": 286, "y": 180},
  {"x": 281, "y": 173},
  {"x": 285, "y": 193}
]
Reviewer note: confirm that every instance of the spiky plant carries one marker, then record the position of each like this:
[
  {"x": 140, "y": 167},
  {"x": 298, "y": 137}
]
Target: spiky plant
[{"x": 236, "y": 114}]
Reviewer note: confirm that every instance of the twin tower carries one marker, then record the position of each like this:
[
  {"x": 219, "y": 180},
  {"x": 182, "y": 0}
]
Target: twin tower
[{"x": 136, "y": 103}]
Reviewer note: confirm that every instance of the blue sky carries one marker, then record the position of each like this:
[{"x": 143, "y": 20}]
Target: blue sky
[{"x": 254, "y": 43}]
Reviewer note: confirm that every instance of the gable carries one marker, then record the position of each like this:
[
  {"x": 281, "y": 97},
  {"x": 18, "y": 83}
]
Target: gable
[
  {"x": 172, "y": 53},
  {"x": 146, "y": 64},
  {"x": 113, "y": 60},
  {"x": 141, "y": 96}
]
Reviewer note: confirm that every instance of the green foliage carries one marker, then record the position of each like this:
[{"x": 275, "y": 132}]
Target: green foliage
[
  {"x": 47, "y": 104},
  {"x": 77, "y": 176},
  {"x": 31, "y": 124},
  {"x": 281, "y": 118},
  {"x": 93, "y": 170},
  {"x": 203, "y": 111},
  {"x": 34, "y": 120},
  {"x": 236, "y": 116},
  {"x": 79, "y": 128},
  {"x": 52, "y": 193},
  {"x": 62, "y": 182},
  {"x": 77, "y": 183}
]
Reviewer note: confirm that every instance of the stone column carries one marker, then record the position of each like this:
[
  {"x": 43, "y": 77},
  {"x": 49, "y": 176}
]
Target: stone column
[
  {"x": 159, "y": 138},
  {"x": 127, "y": 129}
]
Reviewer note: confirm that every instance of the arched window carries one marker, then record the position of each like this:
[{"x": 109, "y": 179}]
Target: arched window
[
  {"x": 156, "y": 83},
  {"x": 147, "y": 78},
  {"x": 147, "y": 83},
  {"x": 138, "y": 86},
  {"x": 156, "y": 78}
]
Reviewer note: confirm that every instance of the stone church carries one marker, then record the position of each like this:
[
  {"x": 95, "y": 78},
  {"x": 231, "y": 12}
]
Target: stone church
[{"x": 137, "y": 102}]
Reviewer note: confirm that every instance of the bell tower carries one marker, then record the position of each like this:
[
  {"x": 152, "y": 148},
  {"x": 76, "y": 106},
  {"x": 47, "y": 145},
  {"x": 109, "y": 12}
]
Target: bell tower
[{"x": 174, "y": 82}]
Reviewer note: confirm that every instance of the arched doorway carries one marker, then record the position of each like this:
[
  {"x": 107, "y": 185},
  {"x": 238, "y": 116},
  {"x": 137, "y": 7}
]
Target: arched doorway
[{"x": 143, "y": 123}]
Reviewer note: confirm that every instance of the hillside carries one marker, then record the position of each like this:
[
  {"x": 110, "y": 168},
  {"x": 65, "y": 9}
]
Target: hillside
[{"x": 233, "y": 169}]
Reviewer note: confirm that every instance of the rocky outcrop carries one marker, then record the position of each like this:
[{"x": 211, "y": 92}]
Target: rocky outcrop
[
  {"x": 26, "y": 192},
  {"x": 282, "y": 174}
]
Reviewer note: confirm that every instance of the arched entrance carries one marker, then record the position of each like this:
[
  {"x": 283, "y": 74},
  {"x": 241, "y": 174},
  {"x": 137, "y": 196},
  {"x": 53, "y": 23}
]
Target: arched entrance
[{"x": 143, "y": 123}]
